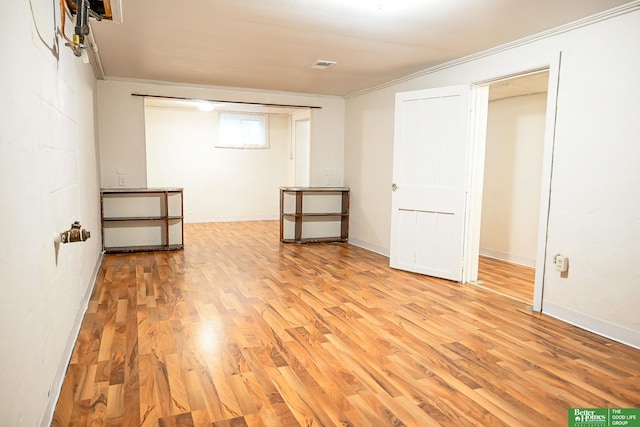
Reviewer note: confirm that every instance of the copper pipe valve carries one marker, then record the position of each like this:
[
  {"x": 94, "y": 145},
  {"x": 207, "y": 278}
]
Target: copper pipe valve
[{"x": 74, "y": 234}]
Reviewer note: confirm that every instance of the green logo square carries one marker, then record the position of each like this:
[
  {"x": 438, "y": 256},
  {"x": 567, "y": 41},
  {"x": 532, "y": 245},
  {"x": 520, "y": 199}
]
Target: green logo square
[{"x": 604, "y": 417}]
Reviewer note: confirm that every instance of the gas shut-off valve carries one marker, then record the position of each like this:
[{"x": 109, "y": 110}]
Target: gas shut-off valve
[{"x": 74, "y": 234}]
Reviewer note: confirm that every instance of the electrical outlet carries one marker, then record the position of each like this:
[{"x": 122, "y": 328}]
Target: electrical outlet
[
  {"x": 121, "y": 181},
  {"x": 561, "y": 262}
]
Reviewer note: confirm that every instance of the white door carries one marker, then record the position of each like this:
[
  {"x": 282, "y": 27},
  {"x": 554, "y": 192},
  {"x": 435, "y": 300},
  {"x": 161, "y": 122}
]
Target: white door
[{"x": 429, "y": 181}]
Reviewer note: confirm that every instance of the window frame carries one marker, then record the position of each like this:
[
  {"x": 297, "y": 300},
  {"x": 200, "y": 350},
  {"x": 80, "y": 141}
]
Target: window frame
[{"x": 222, "y": 140}]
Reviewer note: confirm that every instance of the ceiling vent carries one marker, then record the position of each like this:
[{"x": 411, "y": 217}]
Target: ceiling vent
[{"x": 321, "y": 64}]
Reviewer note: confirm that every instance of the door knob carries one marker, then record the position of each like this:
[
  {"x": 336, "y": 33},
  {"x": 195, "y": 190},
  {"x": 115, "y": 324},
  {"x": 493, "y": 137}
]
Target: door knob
[{"x": 394, "y": 187}]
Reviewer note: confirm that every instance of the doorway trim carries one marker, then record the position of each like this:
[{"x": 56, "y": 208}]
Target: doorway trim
[
  {"x": 478, "y": 125},
  {"x": 301, "y": 163}
]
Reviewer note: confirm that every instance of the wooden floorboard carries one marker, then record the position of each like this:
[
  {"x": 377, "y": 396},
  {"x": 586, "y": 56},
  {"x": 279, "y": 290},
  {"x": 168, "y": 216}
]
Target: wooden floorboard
[
  {"x": 238, "y": 329},
  {"x": 506, "y": 278}
]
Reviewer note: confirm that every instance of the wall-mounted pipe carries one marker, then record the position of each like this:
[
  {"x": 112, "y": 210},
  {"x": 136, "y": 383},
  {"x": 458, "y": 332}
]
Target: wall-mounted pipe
[
  {"x": 82, "y": 10},
  {"x": 74, "y": 234},
  {"x": 82, "y": 25}
]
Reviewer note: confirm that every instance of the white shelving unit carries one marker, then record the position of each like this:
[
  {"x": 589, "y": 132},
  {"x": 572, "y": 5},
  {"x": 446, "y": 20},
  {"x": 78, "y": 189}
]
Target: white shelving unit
[
  {"x": 141, "y": 219},
  {"x": 314, "y": 214}
]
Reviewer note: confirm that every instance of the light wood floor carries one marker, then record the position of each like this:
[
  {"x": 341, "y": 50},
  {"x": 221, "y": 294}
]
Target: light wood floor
[
  {"x": 509, "y": 279},
  {"x": 238, "y": 329}
]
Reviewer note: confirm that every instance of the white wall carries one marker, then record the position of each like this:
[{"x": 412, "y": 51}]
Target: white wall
[
  {"x": 594, "y": 216},
  {"x": 122, "y": 133},
  {"x": 512, "y": 177},
  {"x": 368, "y": 168},
  {"x": 49, "y": 178},
  {"x": 220, "y": 184}
]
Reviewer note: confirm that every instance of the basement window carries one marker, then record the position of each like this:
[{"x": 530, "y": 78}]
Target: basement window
[{"x": 241, "y": 130}]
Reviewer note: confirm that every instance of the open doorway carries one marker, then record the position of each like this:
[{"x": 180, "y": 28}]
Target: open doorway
[
  {"x": 300, "y": 152},
  {"x": 512, "y": 184}
]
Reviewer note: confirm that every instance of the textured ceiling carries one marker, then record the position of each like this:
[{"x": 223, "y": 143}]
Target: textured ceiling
[
  {"x": 270, "y": 44},
  {"x": 519, "y": 86}
]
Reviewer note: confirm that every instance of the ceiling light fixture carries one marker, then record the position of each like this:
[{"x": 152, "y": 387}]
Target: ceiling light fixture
[
  {"x": 380, "y": 7},
  {"x": 205, "y": 106}
]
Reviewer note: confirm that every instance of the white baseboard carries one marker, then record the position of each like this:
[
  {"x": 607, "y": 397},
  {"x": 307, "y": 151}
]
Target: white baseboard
[
  {"x": 606, "y": 329},
  {"x": 369, "y": 246},
  {"x": 233, "y": 219},
  {"x": 503, "y": 256},
  {"x": 58, "y": 379}
]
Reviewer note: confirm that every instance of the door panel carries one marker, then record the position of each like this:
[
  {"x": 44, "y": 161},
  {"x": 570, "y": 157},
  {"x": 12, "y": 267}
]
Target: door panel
[
  {"x": 406, "y": 226},
  {"x": 426, "y": 227},
  {"x": 430, "y": 169}
]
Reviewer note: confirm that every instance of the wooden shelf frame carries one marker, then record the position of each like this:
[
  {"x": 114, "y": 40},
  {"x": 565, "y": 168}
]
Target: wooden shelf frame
[
  {"x": 165, "y": 218},
  {"x": 298, "y": 215}
]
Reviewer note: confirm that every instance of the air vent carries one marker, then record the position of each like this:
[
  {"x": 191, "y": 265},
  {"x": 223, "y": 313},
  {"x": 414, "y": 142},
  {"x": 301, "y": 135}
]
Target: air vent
[{"x": 321, "y": 64}]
